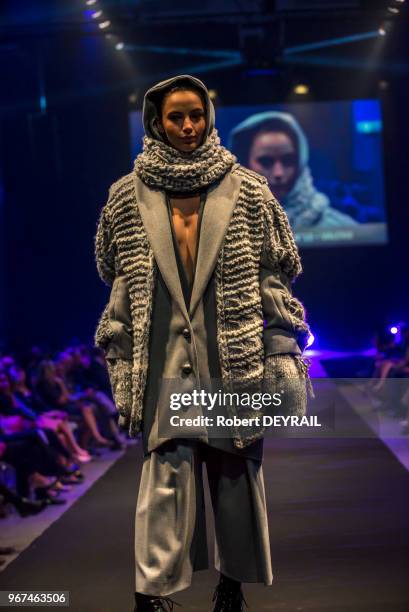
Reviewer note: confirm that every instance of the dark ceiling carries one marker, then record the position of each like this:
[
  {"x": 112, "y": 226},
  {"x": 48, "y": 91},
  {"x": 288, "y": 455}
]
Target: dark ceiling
[{"x": 335, "y": 45}]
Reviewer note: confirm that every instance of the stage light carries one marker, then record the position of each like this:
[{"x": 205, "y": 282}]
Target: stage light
[
  {"x": 382, "y": 31},
  {"x": 104, "y": 24},
  {"x": 301, "y": 89},
  {"x": 394, "y": 330},
  {"x": 310, "y": 340},
  {"x": 43, "y": 104},
  {"x": 393, "y": 9},
  {"x": 212, "y": 94},
  {"x": 96, "y": 14},
  {"x": 119, "y": 46},
  {"x": 90, "y": 2}
]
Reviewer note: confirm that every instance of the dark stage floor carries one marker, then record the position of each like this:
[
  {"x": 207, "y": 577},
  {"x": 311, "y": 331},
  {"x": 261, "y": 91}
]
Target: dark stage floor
[{"x": 339, "y": 528}]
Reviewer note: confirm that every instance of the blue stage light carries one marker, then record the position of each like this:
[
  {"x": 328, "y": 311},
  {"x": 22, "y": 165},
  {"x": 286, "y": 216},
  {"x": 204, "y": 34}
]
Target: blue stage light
[
  {"x": 331, "y": 42},
  {"x": 310, "y": 340}
]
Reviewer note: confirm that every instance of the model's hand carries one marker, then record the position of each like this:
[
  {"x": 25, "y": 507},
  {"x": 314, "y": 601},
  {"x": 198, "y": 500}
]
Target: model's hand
[
  {"x": 120, "y": 375},
  {"x": 287, "y": 374}
]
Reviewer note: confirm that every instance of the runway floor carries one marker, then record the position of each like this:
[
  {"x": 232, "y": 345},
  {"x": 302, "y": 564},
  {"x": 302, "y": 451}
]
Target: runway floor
[{"x": 339, "y": 530}]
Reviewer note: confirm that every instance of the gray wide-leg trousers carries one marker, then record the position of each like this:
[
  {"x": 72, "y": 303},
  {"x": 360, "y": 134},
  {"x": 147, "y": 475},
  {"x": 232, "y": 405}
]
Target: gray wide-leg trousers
[{"x": 170, "y": 522}]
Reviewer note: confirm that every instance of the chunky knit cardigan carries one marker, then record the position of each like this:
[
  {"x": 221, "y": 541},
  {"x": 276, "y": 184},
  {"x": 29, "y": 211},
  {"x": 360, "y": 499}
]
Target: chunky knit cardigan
[{"x": 258, "y": 222}]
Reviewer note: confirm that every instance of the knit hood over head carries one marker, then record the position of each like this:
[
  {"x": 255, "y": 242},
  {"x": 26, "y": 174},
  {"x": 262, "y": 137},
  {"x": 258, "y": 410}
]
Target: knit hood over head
[
  {"x": 163, "y": 166},
  {"x": 242, "y": 135},
  {"x": 154, "y": 95},
  {"x": 304, "y": 204}
]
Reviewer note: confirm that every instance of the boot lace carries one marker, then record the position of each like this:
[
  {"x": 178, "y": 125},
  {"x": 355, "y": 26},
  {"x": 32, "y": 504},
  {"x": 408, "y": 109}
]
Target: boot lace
[
  {"x": 228, "y": 599},
  {"x": 159, "y": 604}
]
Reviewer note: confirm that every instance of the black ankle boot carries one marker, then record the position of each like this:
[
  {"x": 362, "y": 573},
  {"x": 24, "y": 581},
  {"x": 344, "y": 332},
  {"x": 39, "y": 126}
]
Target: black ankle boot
[
  {"x": 228, "y": 596},
  {"x": 150, "y": 603}
]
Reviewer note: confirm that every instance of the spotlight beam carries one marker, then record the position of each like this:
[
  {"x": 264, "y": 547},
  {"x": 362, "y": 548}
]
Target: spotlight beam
[
  {"x": 217, "y": 53},
  {"x": 331, "y": 42}
]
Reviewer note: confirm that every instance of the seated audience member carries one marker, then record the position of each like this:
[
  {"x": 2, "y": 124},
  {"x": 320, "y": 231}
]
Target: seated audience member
[
  {"x": 32, "y": 463},
  {"x": 395, "y": 361},
  {"x": 76, "y": 366},
  {"x": 52, "y": 388},
  {"x": 56, "y": 420},
  {"x": 23, "y": 505},
  {"x": 18, "y": 424},
  {"x": 98, "y": 371}
]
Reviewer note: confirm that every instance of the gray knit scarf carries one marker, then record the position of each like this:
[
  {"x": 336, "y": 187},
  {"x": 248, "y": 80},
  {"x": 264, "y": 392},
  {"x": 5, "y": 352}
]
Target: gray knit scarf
[{"x": 164, "y": 167}]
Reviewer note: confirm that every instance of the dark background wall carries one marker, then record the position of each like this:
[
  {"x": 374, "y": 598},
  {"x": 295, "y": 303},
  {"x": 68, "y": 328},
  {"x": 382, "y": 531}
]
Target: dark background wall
[{"x": 57, "y": 166}]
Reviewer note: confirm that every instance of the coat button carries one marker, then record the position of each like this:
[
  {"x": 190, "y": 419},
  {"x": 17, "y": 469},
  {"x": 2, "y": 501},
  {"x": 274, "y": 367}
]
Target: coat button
[
  {"x": 186, "y": 333},
  {"x": 187, "y": 368}
]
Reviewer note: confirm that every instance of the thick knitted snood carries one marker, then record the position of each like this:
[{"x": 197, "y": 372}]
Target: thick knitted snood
[{"x": 164, "y": 167}]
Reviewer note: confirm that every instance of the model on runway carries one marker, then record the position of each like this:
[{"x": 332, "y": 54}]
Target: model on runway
[{"x": 200, "y": 257}]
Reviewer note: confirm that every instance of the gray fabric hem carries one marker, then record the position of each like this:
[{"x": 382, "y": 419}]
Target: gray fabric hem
[
  {"x": 163, "y": 589},
  {"x": 243, "y": 580}
]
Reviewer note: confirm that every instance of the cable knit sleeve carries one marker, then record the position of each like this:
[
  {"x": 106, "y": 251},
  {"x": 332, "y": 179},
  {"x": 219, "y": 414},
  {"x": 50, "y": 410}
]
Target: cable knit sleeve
[
  {"x": 105, "y": 262},
  {"x": 104, "y": 246},
  {"x": 114, "y": 330},
  {"x": 286, "y": 330}
]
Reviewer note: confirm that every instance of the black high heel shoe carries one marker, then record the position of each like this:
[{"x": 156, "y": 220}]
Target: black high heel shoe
[
  {"x": 43, "y": 494},
  {"x": 27, "y": 507},
  {"x": 73, "y": 479},
  {"x": 23, "y": 505}
]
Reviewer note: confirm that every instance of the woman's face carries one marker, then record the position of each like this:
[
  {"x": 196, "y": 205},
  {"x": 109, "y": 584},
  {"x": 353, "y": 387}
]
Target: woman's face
[
  {"x": 183, "y": 120},
  {"x": 273, "y": 155}
]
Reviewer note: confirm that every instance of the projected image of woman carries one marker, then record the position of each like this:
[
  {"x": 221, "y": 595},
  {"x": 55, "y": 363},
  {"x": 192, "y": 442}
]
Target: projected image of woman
[
  {"x": 200, "y": 257},
  {"x": 274, "y": 145}
]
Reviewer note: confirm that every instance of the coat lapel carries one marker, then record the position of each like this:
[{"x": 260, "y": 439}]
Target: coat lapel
[
  {"x": 220, "y": 203},
  {"x": 154, "y": 213}
]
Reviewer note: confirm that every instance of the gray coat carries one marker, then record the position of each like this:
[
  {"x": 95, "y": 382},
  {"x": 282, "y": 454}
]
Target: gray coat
[{"x": 184, "y": 334}]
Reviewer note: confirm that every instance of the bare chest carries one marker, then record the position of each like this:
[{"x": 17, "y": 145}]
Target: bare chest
[{"x": 185, "y": 215}]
